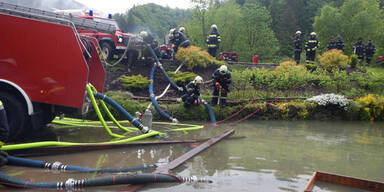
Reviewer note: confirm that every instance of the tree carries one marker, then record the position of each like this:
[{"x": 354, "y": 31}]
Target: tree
[{"x": 356, "y": 18}]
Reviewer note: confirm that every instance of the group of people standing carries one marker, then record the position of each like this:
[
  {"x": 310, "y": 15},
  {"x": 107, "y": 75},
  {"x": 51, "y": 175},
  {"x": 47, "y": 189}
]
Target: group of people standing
[{"x": 313, "y": 44}]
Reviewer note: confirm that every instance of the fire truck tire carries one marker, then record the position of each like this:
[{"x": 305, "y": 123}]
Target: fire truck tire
[
  {"x": 107, "y": 50},
  {"x": 17, "y": 114}
]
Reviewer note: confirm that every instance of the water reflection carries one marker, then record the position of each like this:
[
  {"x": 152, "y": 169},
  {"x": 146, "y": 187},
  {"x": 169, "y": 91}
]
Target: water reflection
[{"x": 275, "y": 156}]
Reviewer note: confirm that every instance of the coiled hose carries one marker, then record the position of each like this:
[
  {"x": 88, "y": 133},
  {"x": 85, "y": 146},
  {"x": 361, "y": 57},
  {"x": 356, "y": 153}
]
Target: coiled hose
[{"x": 57, "y": 166}]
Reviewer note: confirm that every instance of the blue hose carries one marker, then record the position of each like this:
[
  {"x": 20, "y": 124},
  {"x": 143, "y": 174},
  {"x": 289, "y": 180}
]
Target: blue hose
[
  {"x": 118, "y": 107},
  {"x": 17, "y": 161},
  {"x": 210, "y": 111},
  {"x": 173, "y": 84},
  {"x": 152, "y": 95}
]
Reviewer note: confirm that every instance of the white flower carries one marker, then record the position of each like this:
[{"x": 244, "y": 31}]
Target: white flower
[{"x": 328, "y": 99}]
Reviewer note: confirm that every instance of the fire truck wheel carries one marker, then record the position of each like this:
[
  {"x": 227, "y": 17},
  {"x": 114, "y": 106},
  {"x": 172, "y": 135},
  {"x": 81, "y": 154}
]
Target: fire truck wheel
[
  {"x": 16, "y": 113},
  {"x": 107, "y": 50}
]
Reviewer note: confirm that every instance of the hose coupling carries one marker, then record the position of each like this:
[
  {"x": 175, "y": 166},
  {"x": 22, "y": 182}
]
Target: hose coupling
[
  {"x": 56, "y": 166},
  {"x": 145, "y": 130},
  {"x": 70, "y": 184},
  {"x": 195, "y": 179},
  {"x": 180, "y": 89},
  {"x": 174, "y": 120}
]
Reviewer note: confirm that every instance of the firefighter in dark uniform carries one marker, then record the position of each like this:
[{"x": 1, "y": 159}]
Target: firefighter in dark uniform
[
  {"x": 332, "y": 44},
  {"x": 310, "y": 47},
  {"x": 213, "y": 41},
  {"x": 359, "y": 49},
  {"x": 297, "y": 47},
  {"x": 339, "y": 43},
  {"x": 192, "y": 92},
  {"x": 370, "y": 50},
  {"x": 4, "y": 132},
  {"x": 221, "y": 79},
  {"x": 178, "y": 39}
]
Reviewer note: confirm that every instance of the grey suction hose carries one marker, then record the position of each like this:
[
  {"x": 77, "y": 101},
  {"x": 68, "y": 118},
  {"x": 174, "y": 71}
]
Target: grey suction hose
[{"x": 73, "y": 184}]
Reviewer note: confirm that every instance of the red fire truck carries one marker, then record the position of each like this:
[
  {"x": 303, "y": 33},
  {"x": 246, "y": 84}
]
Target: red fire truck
[{"x": 45, "y": 65}]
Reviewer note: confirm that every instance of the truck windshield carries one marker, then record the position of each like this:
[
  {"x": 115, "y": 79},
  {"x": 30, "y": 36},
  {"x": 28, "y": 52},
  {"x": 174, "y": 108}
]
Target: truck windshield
[{"x": 108, "y": 21}]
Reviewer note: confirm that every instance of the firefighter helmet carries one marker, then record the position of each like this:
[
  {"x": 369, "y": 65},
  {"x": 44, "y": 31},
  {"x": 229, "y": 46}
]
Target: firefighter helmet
[
  {"x": 171, "y": 33},
  {"x": 313, "y": 33},
  {"x": 214, "y": 26},
  {"x": 143, "y": 33},
  {"x": 197, "y": 80},
  {"x": 182, "y": 29},
  {"x": 298, "y": 32},
  {"x": 223, "y": 69}
]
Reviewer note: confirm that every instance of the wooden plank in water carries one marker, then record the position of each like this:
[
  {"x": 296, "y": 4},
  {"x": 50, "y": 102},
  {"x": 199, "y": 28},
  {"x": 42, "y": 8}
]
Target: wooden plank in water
[
  {"x": 180, "y": 160},
  {"x": 344, "y": 180}
]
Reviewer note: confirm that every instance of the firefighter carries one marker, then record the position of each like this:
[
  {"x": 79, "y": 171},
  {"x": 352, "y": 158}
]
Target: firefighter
[
  {"x": 310, "y": 47},
  {"x": 4, "y": 132},
  {"x": 370, "y": 50},
  {"x": 339, "y": 43},
  {"x": 297, "y": 47},
  {"x": 221, "y": 79},
  {"x": 213, "y": 41},
  {"x": 359, "y": 49},
  {"x": 332, "y": 44},
  {"x": 151, "y": 41},
  {"x": 178, "y": 39},
  {"x": 192, "y": 92}
]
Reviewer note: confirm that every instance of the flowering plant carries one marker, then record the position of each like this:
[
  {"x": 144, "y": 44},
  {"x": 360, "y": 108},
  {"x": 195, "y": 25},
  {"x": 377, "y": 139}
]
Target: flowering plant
[{"x": 329, "y": 99}]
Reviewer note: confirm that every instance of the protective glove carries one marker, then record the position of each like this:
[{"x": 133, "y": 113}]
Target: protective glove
[
  {"x": 179, "y": 100},
  {"x": 308, "y": 49},
  {"x": 223, "y": 91},
  {"x": 217, "y": 84}
]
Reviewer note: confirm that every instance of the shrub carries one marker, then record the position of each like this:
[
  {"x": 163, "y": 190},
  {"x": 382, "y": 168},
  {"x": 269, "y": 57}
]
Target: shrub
[
  {"x": 330, "y": 100},
  {"x": 311, "y": 67},
  {"x": 371, "y": 107},
  {"x": 354, "y": 61},
  {"x": 333, "y": 60},
  {"x": 136, "y": 82},
  {"x": 195, "y": 57},
  {"x": 289, "y": 76},
  {"x": 182, "y": 78}
]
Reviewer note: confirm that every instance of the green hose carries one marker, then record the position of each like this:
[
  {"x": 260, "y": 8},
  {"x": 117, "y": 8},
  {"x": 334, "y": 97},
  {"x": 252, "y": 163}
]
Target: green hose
[
  {"x": 105, "y": 108},
  {"x": 66, "y": 144},
  {"x": 101, "y": 118}
]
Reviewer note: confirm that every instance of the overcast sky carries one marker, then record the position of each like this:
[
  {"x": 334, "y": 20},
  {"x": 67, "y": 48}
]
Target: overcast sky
[{"x": 121, "y": 6}]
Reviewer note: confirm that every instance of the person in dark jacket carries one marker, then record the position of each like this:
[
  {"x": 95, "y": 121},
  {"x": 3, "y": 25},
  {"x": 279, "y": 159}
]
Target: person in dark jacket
[
  {"x": 297, "y": 44},
  {"x": 192, "y": 92},
  {"x": 339, "y": 43},
  {"x": 332, "y": 44},
  {"x": 370, "y": 50},
  {"x": 311, "y": 45},
  {"x": 213, "y": 41},
  {"x": 4, "y": 132},
  {"x": 359, "y": 49},
  {"x": 178, "y": 39},
  {"x": 221, "y": 79}
]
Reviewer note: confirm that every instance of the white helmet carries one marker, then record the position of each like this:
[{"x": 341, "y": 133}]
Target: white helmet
[
  {"x": 197, "y": 80},
  {"x": 313, "y": 33},
  {"x": 214, "y": 26},
  {"x": 298, "y": 32},
  {"x": 223, "y": 69},
  {"x": 182, "y": 29},
  {"x": 143, "y": 33},
  {"x": 171, "y": 32}
]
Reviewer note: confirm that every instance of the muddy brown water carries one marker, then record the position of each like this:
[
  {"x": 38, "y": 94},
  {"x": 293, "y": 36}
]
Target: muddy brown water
[{"x": 274, "y": 156}]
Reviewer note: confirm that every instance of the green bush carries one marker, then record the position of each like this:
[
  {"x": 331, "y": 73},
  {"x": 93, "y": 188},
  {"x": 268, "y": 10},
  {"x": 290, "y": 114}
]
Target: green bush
[
  {"x": 195, "y": 57},
  {"x": 354, "y": 61},
  {"x": 333, "y": 60},
  {"x": 136, "y": 82},
  {"x": 182, "y": 78},
  {"x": 311, "y": 67}
]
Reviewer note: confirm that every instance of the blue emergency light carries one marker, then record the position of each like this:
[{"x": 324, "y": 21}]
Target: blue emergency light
[
  {"x": 90, "y": 12},
  {"x": 110, "y": 16}
]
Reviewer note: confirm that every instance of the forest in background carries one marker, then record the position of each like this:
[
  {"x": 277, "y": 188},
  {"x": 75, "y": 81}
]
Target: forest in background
[{"x": 264, "y": 27}]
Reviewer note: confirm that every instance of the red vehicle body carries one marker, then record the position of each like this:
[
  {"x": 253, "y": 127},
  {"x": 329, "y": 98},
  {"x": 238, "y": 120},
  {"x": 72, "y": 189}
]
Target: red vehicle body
[
  {"x": 111, "y": 44},
  {"x": 43, "y": 71},
  {"x": 229, "y": 56}
]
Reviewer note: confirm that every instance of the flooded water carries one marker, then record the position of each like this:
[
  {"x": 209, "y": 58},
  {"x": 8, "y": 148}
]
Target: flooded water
[{"x": 274, "y": 156}]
